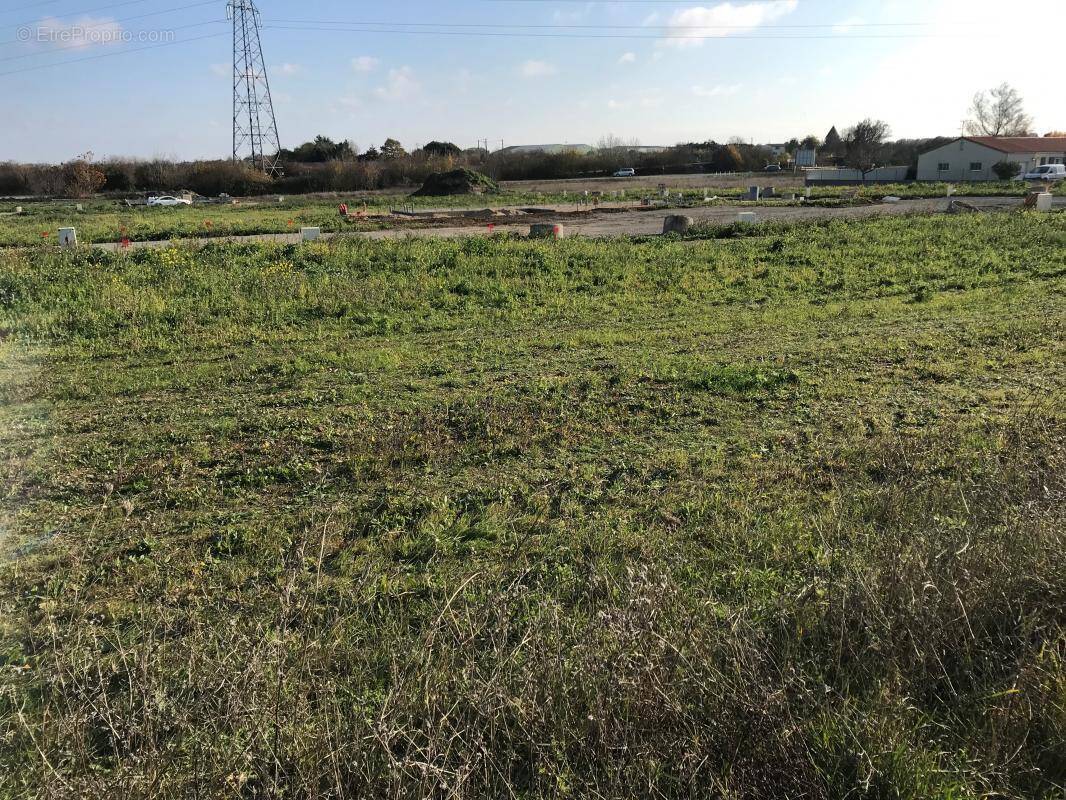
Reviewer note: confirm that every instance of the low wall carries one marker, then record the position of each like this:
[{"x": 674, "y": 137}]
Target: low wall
[{"x": 842, "y": 177}]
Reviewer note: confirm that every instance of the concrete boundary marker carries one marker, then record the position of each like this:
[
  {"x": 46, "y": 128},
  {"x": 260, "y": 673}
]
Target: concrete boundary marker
[{"x": 677, "y": 223}]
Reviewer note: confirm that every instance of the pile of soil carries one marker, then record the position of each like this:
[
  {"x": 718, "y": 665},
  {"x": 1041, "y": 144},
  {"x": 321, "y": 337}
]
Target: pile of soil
[{"x": 457, "y": 181}]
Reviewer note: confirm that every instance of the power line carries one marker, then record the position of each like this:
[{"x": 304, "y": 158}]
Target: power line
[
  {"x": 113, "y": 55},
  {"x": 84, "y": 11},
  {"x": 587, "y": 2},
  {"x": 311, "y": 26},
  {"x": 169, "y": 30},
  {"x": 599, "y": 27},
  {"x": 29, "y": 5},
  {"x": 105, "y": 23}
]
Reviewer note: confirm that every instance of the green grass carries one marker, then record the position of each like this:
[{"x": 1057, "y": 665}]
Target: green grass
[
  {"x": 753, "y": 513},
  {"x": 111, "y": 221}
]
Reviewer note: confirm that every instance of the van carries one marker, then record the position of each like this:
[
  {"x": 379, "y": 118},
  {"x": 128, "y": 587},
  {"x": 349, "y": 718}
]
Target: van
[{"x": 1047, "y": 172}]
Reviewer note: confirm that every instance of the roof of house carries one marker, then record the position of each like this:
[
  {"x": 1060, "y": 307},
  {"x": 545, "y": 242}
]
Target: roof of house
[{"x": 1020, "y": 144}]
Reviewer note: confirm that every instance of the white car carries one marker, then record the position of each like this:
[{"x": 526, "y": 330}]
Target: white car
[
  {"x": 626, "y": 172},
  {"x": 167, "y": 200},
  {"x": 1047, "y": 172}
]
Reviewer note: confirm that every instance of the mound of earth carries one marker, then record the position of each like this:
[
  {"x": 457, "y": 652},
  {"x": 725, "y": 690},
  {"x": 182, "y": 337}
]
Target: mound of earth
[{"x": 457, "y": 181}]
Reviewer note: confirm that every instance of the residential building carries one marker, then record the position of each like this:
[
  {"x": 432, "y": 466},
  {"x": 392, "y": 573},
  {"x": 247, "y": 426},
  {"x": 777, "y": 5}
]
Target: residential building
[{"x": 971, "y": 158}]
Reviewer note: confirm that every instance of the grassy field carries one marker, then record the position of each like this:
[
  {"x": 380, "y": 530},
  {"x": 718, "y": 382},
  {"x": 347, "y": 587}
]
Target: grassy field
[
  {"x": 762, "y": 512},
  {"x": 111, "y": 221}
]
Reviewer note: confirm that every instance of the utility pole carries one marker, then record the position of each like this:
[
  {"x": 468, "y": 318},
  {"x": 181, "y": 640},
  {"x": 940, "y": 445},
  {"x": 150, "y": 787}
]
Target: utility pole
[{"x": 255, "y": 129}]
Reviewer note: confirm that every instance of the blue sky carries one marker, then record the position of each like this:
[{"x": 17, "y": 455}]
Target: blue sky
[{"x": 652, "y": 70}]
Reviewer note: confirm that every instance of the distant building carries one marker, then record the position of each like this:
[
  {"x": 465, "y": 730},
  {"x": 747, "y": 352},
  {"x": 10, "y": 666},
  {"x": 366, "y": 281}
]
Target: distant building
[
  {"x": 521, "y": 149},
  {"x": 971, "y": 158},
  {"x": 777, "y": 149}
]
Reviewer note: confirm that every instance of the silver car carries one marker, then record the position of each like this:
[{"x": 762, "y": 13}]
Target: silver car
[{"x": 167, "y": 200}]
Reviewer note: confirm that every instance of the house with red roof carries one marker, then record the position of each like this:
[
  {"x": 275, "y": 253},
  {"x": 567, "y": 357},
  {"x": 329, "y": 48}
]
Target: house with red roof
[{"x": 970, "y": 158}]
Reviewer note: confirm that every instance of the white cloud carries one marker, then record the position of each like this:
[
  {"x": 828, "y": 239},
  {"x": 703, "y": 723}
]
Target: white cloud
[
  {"x": 627, "y": 58},
  {"x": 719, "y": 90},
  {"x": 81, "y": 34},
  {"x": 288, "y": 69},
  {"x": 365, "y": 63},
  {"x": 538, "y": 69},
  {"x": 691, "y": 26},
  {"x": 617, "y": 105},
  {"x": 401, "y": 85},
  {"x": 222, "y": 70}
]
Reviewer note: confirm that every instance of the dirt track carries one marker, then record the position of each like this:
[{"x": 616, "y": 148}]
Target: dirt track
[
  {"x": 618, "y": 222},
  {"x": 644, "y": 222}
]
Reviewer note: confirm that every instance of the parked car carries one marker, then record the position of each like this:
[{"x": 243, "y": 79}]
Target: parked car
[
  {"x": 1047, "y": 172},
  {"x": 626, "y": 172},
  {"x": 167, "y": 200},
  {"x": 773, "y": 167}
]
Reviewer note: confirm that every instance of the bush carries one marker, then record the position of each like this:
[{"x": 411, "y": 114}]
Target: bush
[
  {"x": 230, "y": 177},
  {"x": 1007, "y": 170},
  {"x": 119, "y": 176},
  {"x": 14, "y": 178},
  {"x": 157, "y": 175},
  {"x": 82, "y": 179}
]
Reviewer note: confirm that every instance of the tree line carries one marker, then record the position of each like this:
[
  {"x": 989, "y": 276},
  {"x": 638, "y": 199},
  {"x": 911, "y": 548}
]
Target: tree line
[{"x": 325, "y": 165}]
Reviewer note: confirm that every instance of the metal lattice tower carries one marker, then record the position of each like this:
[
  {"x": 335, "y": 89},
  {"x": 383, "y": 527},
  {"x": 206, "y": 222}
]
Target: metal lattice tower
[{"x": 255, "y": 130}]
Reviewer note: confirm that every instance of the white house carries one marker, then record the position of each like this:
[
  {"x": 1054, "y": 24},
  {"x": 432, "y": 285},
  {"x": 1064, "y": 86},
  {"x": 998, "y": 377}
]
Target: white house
[{"x": 970, "y": 158}]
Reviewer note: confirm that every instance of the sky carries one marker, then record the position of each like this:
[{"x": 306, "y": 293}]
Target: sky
[{"x": 153, "y": 78}]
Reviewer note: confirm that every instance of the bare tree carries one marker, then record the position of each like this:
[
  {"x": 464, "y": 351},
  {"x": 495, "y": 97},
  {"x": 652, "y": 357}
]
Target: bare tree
[
  {"x": 616, "y": 144},
  {"x": 863, "y": 144},
  {"x": 998, "y": 112}
]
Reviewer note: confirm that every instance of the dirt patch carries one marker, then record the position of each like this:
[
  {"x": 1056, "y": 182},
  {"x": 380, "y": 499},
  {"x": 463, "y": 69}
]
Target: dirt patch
[{"x": 457, "y": 181}]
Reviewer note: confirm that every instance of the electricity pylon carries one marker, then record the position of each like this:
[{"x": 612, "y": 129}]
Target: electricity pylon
[{"x": 255, "y": 130}]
